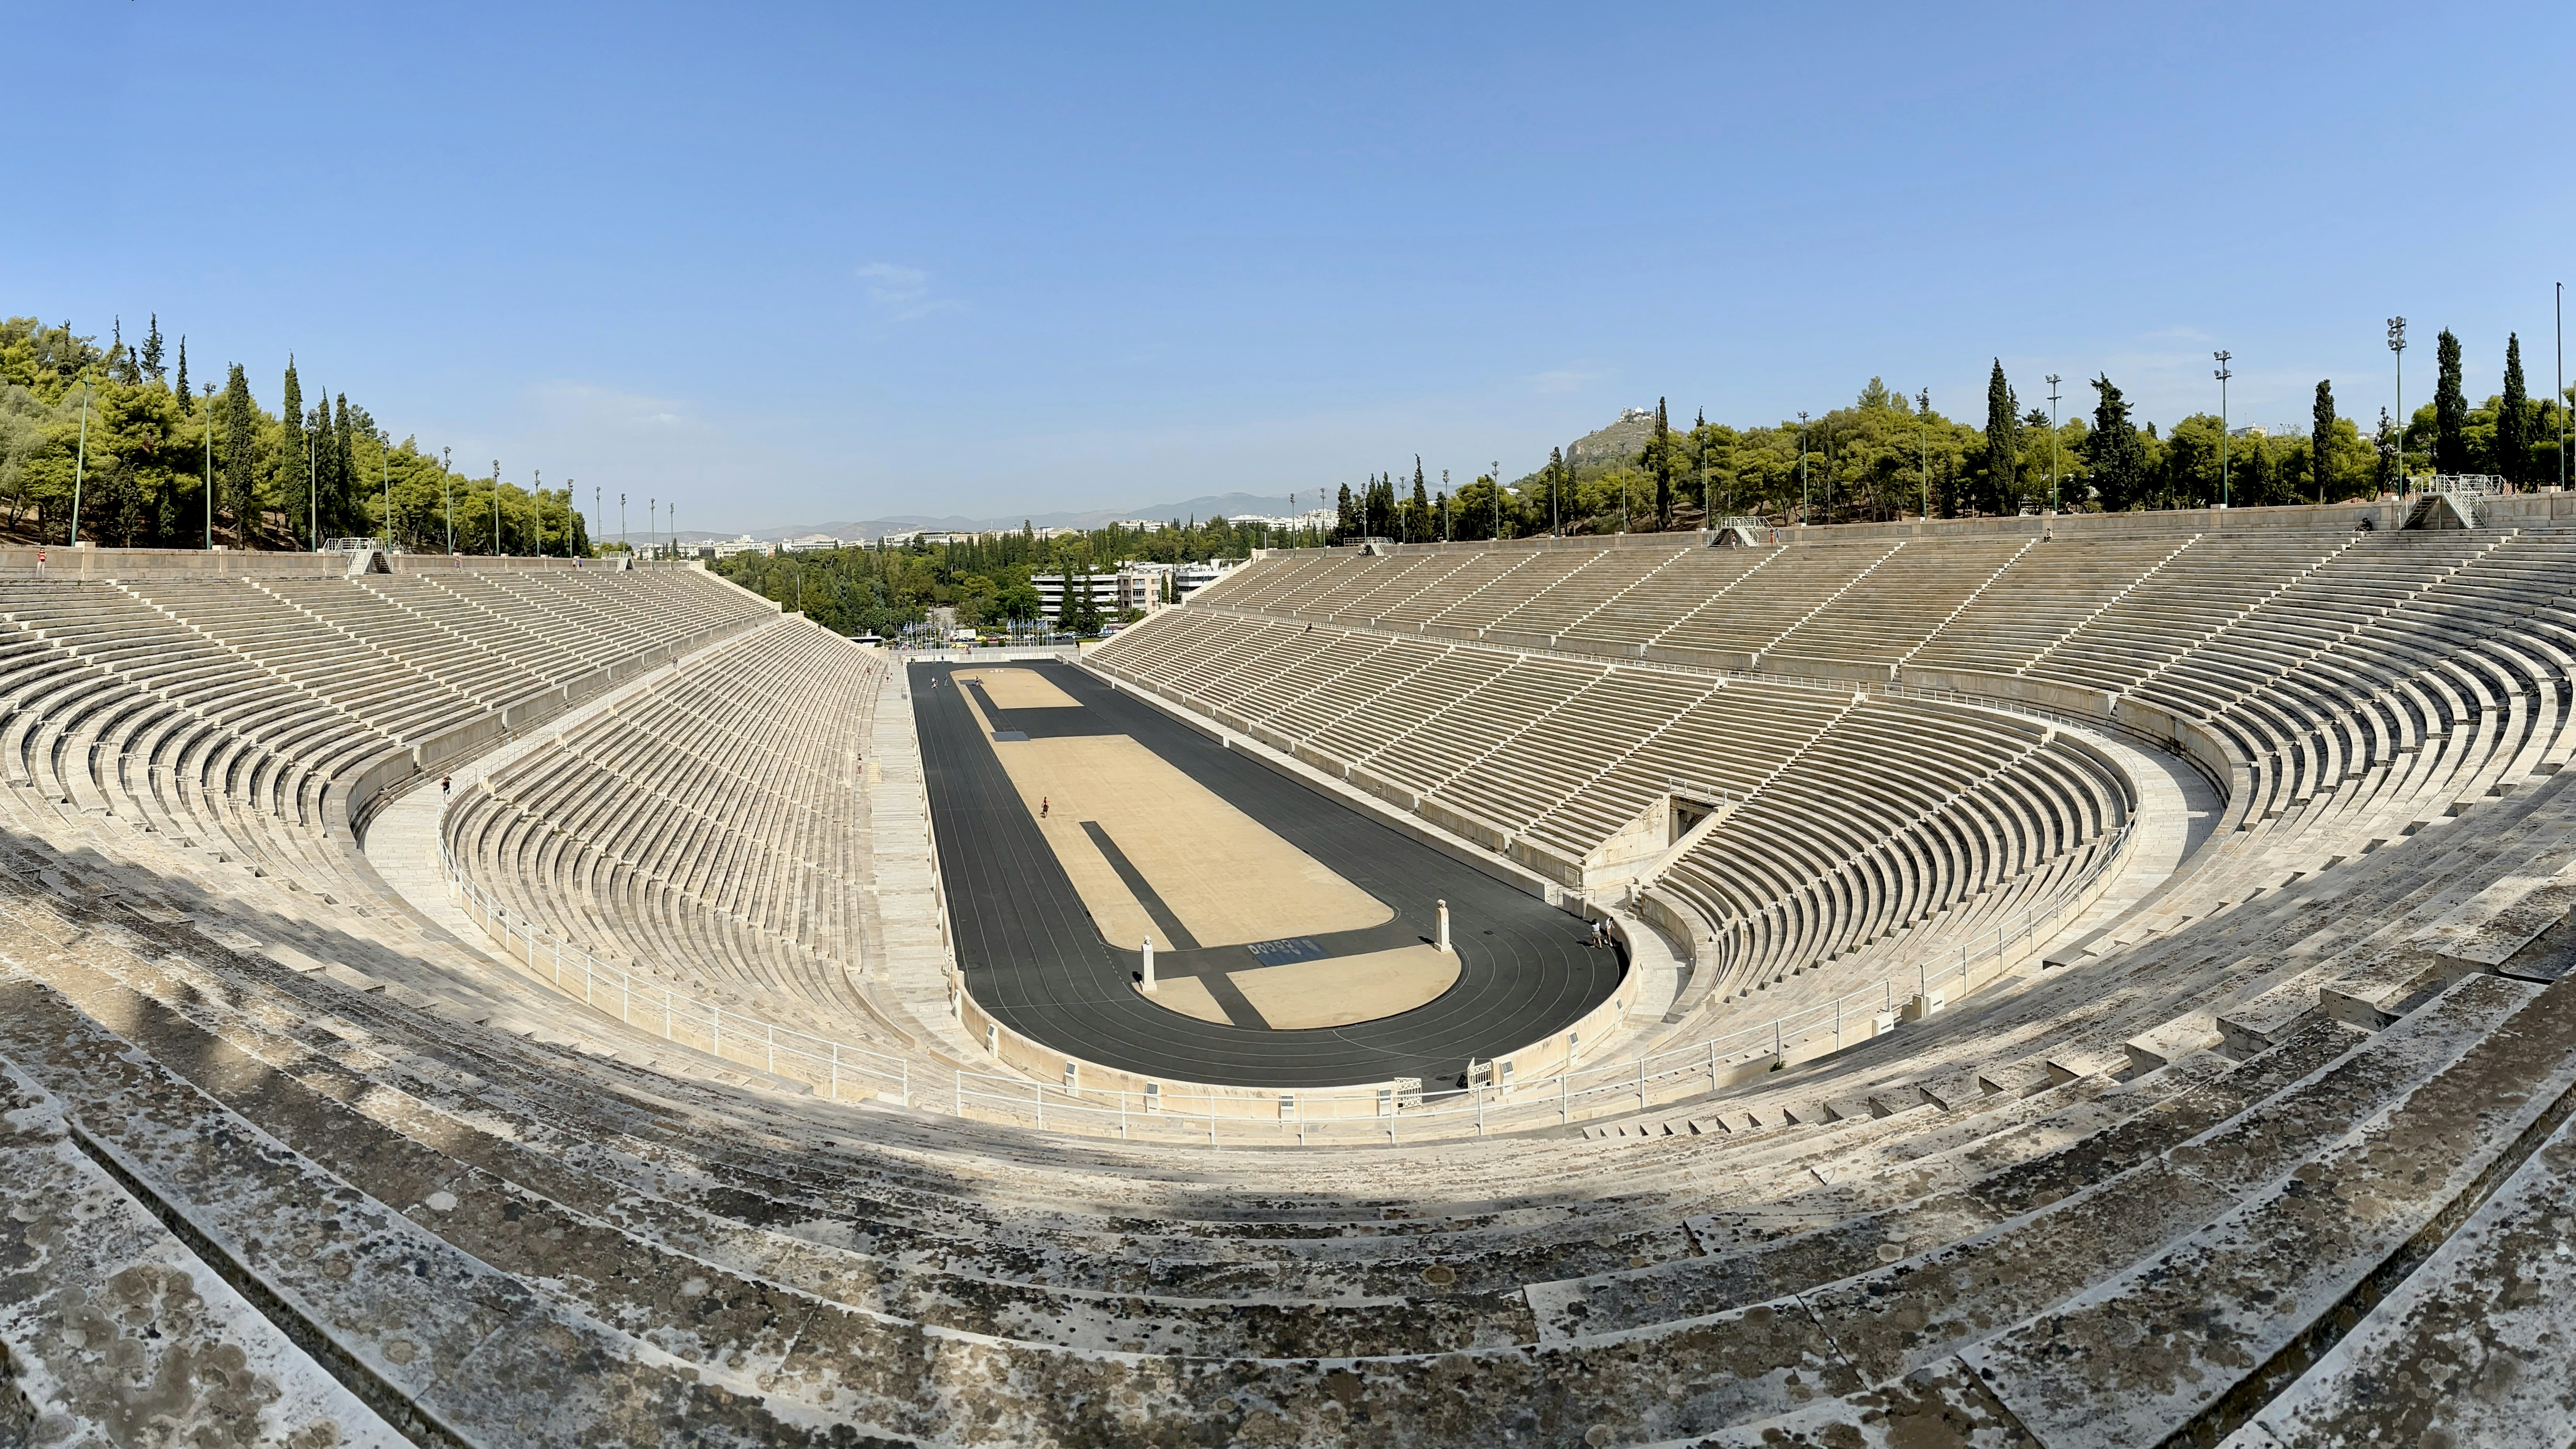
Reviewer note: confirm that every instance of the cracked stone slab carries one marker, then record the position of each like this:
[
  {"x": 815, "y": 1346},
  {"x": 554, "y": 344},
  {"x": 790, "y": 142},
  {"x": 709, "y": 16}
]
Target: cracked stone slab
[{"x": 2166, "y": 1345}]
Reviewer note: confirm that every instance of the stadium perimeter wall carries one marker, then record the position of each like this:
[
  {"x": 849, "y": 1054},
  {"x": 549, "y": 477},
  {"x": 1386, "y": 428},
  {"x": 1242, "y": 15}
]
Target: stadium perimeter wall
[{"x": 2521, "y": 510}]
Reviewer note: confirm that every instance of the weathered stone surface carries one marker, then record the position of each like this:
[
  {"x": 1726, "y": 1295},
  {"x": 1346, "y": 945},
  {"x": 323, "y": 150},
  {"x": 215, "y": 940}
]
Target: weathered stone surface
[
  {"x": 2167, "y": 1344},
  {"x": 116, "y": 1333}
]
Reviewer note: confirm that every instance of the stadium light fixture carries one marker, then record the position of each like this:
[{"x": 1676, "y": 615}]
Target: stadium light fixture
[
  {"x": 2052, "y": 442},
  {"x": 2222, "y": 374},
  {"x": 1804, "y": 502},
  {"x": 210, "y": 467},
  {"x": 1923, "y": 444},
  {"x": 446, "y": 500},
  {"x": 2397, "y": 345},
  {"x": 80, "y": 460}
]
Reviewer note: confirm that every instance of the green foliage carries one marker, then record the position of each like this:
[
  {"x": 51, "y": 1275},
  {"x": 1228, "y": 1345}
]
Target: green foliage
[
  {"x": 237, "y": 455},
  {"x": 2450, "y": 409},
  {"x": 294, "y": 481},
  {"x": 2003, "y": 445},
  {"x": 2514, "y": 422},
  {"x": 2115, "y": 455},
  {"x": 2321, "y": 431}
]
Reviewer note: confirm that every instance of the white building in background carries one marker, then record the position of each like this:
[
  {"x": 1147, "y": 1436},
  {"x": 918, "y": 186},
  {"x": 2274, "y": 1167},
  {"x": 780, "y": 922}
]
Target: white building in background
[
  {"x": 745, "y": 544},
  {"x": 809, "y": 543},
  {"x": 1136, "y": 585},
  {"x": 1106, "y": 592},
  {"x": 1314, "y": 518}
]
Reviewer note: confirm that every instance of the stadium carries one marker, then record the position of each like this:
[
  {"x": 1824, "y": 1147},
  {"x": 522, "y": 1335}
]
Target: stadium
[{"x": 2062, "y": 980}]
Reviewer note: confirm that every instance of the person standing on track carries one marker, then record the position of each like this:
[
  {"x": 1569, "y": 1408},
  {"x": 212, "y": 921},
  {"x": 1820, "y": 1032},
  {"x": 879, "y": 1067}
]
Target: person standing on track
[{"x": 1043, "y": 805}]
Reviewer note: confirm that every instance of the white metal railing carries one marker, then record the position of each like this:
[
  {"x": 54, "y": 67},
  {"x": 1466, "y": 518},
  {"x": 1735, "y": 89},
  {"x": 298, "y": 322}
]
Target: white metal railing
[
  {"x": 1299, "y": 1115},
  {"x": 2483, "y": 484},
  {"x": 837, "y": 1068}
]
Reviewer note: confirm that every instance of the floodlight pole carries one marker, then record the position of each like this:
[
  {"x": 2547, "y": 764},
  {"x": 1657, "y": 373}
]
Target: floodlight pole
[
  {"x": 1498, "y": 501},
  {"x": 2222, "y": 374},
  {"x": 1804, "y": 502},
  {"x": 2052, "y": 442},
  {"x": 2397, "y": 345},
  {"x": 388, "y": 456},
  {"x": 80, "y": 460},
  {"x": 496, "y": 508},
  {"x": 446, "y": 500},
  {"x": 1923, "y": 444},
  {"x": 2560, "y": 295},
  {"x": 210, "y": 467},
  {"x": 312, "y": 497}
]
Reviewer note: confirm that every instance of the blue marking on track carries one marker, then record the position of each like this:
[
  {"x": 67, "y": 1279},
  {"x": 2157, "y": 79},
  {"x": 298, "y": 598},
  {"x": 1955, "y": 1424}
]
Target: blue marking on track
[{"x": 1287, "y": 952}]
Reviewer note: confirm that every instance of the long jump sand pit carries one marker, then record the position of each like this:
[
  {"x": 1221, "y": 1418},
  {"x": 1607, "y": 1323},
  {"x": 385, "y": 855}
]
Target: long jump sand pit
[
  {"x": 1334, "y": 992},
  {"x": 1020, "y": 689}
]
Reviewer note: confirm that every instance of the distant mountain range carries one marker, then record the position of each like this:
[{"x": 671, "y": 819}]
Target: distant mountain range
[{"x": 1221, "y": 505}]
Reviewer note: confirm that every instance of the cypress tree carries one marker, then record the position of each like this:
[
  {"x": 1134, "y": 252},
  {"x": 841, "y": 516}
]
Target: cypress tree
[
  {"x": 1662, "y": 450},
  {"x": 2003, "y": 441},
  {"x": 152, "y": 349},
  {"x": 2321, "y": 429},
  {"x": 2450, "y": 409},
  {"x": 326, "y": 454},
  {"x": 2113, "y": 452},
  {"x": 1345, "y": 516},
  {"x": 344, "y": 463},
  {"x": 1555, "y": 485},
  {"x": 294, "y": 479},
  {"x": 239, "y": 476},
  {"x": 2513, "y": 418},
  {"x": 1420, "y": 514},
  {"x": 185, "y": 406},
  {"x": 2384, "y": 476}
]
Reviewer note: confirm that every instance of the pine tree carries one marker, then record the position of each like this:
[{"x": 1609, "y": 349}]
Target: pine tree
[
  {"x": 2003, "y": 440},
  {"x": 294, "y": 477},
  {"x": 152, "y": 349},
  {"x": 238, "y": 479},
  {"x": 2450, "y": 409},
  {"x": 185, "y": 406},
  {"x": 2513, "y": 418},
  {"x": 119, "y": 361},
  {"x": 2321, "y": 421}
]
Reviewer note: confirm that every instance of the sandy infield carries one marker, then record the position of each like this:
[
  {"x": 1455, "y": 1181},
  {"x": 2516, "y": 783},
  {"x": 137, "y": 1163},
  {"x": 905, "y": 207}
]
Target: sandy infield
[
  {"x": 1224, "y": 875},
  {"x": 1021, "y": 689},
  {"x": 1335, "y": 992}
]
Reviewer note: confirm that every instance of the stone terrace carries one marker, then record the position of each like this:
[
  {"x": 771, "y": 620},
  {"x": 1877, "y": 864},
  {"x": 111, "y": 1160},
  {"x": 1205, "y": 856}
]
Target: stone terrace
[{"x": 2262, "y": 1156}]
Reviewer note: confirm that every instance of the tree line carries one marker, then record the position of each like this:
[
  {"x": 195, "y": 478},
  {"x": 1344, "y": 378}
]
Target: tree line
[
  {"x": 1886, "y": 456},
  {"x": 990, "y": 579},
  {"x": 154, "y": 464}
]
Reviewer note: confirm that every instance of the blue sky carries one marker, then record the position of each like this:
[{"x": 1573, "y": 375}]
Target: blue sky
[{"x": 798, "y": 264}]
